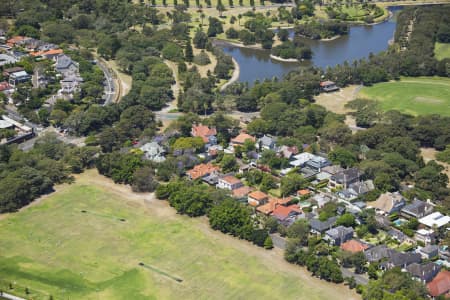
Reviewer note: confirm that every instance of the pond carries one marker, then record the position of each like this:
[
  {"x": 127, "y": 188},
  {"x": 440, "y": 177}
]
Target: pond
[{"x": 359, "y": 43}]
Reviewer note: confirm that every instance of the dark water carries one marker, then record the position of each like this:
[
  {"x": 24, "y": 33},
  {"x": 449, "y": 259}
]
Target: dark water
[{"x": 361, "y": 40}]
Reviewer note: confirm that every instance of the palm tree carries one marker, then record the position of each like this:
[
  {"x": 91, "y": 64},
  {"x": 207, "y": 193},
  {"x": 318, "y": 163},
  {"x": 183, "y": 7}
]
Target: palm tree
[{"x": 202, "y": 17}]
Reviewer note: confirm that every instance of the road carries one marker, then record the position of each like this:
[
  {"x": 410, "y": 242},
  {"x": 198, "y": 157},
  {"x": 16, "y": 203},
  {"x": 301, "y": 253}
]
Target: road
[
  {"x": 359, "y": 278},
  {"x": 11, "y": 297},
  {"x": 110, "y": 89}
]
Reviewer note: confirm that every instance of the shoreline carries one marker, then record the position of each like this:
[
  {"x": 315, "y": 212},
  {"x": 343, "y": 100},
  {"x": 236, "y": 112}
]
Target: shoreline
[
  {"x": 283, "y": 59},
  {"x": 234, "y": 77}
]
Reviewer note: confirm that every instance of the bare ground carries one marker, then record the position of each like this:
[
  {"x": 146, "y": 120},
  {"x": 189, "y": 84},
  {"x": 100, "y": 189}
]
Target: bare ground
[{"x": 336, "y": 101}]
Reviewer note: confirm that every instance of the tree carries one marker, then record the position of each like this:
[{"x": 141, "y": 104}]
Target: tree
[
  {"x": 143, "y": 180},
  {"x": 292, "y": 183},
  {"x": 299, "y": 230},
  {"x": 229, "y": 164},
  {"x": 347, "y": 220},
  {"x": 231, "y": 217},
  {"x": 342, "y": 157},
  {"x": 193, "y": 201},
  {"x": 268, "y": 244},
  {"x": 189, "y": 54}
]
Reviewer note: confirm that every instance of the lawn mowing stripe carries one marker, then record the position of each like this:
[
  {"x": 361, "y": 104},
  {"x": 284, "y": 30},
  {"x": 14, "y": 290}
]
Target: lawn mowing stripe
[{"x": 160, "y": 272}]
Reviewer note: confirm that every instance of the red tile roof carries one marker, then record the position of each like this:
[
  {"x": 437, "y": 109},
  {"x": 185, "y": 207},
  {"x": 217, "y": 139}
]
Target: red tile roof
[
  {"x": 303, "y": 192},
  {"x": 269, "y": 207},
  {"x": 258, "y": 195},
  {"x": 203, "y": 132},
  {"x": 241, "y": 138},
  {"x": 440, "y": 284},
  {"x": 15, "y": 39},
  {"x": 354, "y": 246},
  {"x": 4, "y": 86},
  {"x": 282, "y": 212},
  {"x": 231, "y": 179},
  {"x": 242, "y": 191},
  {"x": 49, "y": 52},
  {"x": 201, "y": 170}
]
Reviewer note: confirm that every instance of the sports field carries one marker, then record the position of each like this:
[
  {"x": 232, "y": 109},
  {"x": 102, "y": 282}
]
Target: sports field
[
  {"x": 412, "y": 95},
  {"x": 87, "y": 240}
]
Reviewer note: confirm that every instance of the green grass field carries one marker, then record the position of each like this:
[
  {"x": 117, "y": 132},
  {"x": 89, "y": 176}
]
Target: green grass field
[
  {"x": 441, "y": 51},
  {"x": 412, "y": 95},
  {"x": 55, "y": 248}
]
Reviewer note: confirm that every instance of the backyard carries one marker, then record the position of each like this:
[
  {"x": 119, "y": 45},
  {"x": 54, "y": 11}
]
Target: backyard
[
  {"x": 97, "y": 240},
  {"x": 415, "y": 96}
]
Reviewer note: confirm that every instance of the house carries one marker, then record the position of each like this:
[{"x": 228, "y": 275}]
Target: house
[
  {"x": 286, "y": 215},
  {"x": 361, "y": 187},
  {"x": 266, "y": 142},
  {"x": 242, "y": 192},
  {"x": 400, "y": 259},
  {"x": 354, "y": 246},
  {"x": 377, "y": 253},
  {"x": 257, "y": 198},
  {"x": 211, "y": 179},
  {"x": 328, "y": 86},
  {"x": 154, "y": 152},
  {"x": 429, "y": 251},
  {"x": 70, "y": 84},
  {"x": 317, "y": 163},
  {"x": 398, "y": 235},
  {"x": 6, "y": 59},
  {"x": 303, "y": 193},
  {"x": 321, "y": 200},
  {"x": 17, "y": 40},
  {"x": 48, "y": 54},
  {"x": 301, "y": 159},
  {"x": 319, "y": 227},
  {"x": 383, "y": 221},
  {"x": 388, "y": 203},
  {"x": 417, "y": 209},
  {"x": 337, "y": 236},
  {"x": 288, "y": 151},
  {"x": 202, "y": 170},
  {"x": 423, "y": 272},
  {"x": 207, "y": 134},
  {"x": 273, "y": 203},
  {"x": 241, "y": 138},
  {"x": 65, "y": 65},
  {"x": 229, "y": 183},
  {"x": 440, "y": 285},
  {"x": 5, "y": 87},
  {"x": 435, "y": 219},
  {"x": 425, "y": 236},
  {"x": 333, "y": 169},
  {"x": 7, "y": 72},
  {"x": 344, "y": 178},
  {"x": 18, "y": 77}
]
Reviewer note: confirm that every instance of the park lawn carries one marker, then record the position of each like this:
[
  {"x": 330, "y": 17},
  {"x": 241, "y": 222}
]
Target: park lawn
[
  {"x": 412, "y": 95},
  {"x": 441, "y": 50},
  {"x": 54, "y": 248}
]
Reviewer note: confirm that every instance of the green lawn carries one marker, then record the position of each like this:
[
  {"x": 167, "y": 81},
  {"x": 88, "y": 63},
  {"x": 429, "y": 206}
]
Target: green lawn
[
  {"x": 56, "y": 248},
  {"x": 412, "y": 95},
  {"x": 441, "y": 50}
]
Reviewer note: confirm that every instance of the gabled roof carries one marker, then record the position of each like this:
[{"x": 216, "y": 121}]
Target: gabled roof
[
  {"x": 242, "y": 191},
  {"x": 202, "y": 170},
  {"x": 51, "y": 52},
  {"x": 354, "y": 246},
  {"x": 230, "y": 179},
  {"x": 282, "y": 212},
  {"x": 203, "y": 131},
  {"x": 273, "y": 203},
  {"x": 266, "y": 140},
  {"x": 423, "y": 271},
  {"x": 339, "y": 231},
  {"x": 377, "y": 253},
  {"x": 242, "y": 137},
  {"x": 327, "y": 83},
  {"x": 4, "y": 86},
  {"x": 397, "y": 259},
  {"x": 386, "y": 201},
  {"x": 258, "y": 195},
  {"x": 320, "y": 226},
  {"x": 440, "y": 284},
  {"x": 417, "y": 207},
  {"x": 362, "y": 187},
  {"x": 429, "y": 249},
  {"x": 63, "y": 62},
  {"x": 349, "y": 175}
]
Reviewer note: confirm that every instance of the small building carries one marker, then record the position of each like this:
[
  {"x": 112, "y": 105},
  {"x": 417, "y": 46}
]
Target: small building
[
  {"x": 202, "y": 170},
  {"x": 266, "y": 142},
  {"x": 423, "y": 272},
  {"x": 337, "y": 236},
  {"x": 429, "y": 251},
  {"x": 303, "y": 193},
  {"x": 435, "y": 219},
  {"x": 288, "y": 151},
  {"x": 398, "y": 235},
  {"x": 319, "y": 227},
  {"x": 18, "y": 77},
  {"x": 9, "y": 71},
  {"x": 328, "y": 86},
  {"x": 440, "y": 285},
  {"x": 321, "y": 200},
  {"x": 344, "y": 178},
  {"x": 6, "y": 59},
  {"x": 354, "y": 246},
  {"x": 388, "y": 203},
  {"x": 257, "y": 198},
  {"x": 229, "y": 183},
  {"x": 241, "y": 138},
  {"x": 425, "y": 236},
  {"x": 5, "y": 87},
  {"x": 207, "y": 134},
  {"x": 417, "y": 209}
]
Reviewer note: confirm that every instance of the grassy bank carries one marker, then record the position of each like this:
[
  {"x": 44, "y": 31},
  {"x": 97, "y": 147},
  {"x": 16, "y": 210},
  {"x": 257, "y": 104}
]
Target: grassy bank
[
  {"x": 86, "y": 242},
  {"x": 415, "y": 96},
  {"x": 441, "y": 51}
]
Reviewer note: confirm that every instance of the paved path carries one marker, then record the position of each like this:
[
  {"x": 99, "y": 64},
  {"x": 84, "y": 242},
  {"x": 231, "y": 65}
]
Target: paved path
[
  {"x": 359, "y": 278},
  {"x": 233, "y": 78},
  {"x": 11, "y": 297},
  {"x": 110, "y": 86}
]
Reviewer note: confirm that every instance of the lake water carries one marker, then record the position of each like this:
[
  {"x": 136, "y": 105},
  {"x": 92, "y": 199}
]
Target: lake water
[{"x": 361, "y": 40}]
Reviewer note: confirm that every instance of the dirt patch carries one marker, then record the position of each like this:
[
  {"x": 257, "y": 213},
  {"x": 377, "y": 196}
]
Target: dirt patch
[
  {"x": 428, "y": 100},
  {"x": 430, "y": 154},
  {"x": 336, "y": 101}
]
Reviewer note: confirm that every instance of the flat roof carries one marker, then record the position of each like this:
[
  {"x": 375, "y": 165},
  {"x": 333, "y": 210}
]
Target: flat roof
[
  {"x": 5, "y": 124},
  {"x": 435, "y": 219}
]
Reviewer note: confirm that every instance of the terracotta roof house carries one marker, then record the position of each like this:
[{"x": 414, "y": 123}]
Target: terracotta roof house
[
  {"x": 229, "y": 183},
  {"x": 16, "y": 40},
  {"x": 440, "y": 285},
  {"x": 241, "y": 138},
  {"x": 354, "y": 246},
  {"x": 424, "y": 273},
  {"x": 388, "y": 203},
  {"x": 202, "y": 170},
  {"x": 4, "y": 86},
  {"x": 286, "y": 214},
  {"x": 257, "y": 198},
  {"x": 303, "y": 192},
  {"x": 207, "y": 134},
  {"x": 242, "y": 192},
  {"x": 417, "y": 209},
  {"x": 273, "y": 203}
]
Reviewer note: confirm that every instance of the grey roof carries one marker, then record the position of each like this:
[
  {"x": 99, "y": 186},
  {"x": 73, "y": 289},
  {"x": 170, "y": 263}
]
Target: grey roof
[
  {"x": 398, "y": 235},
  {"x": 424, "y": 272},
  {"x": 63, "y": 62},
  {"x": 362, "y": 187},
  {"x": 339, "y": 232},
  {"x": 320, "y": 226},
  {"x": 266, "y": 140},
  {"x": 377, "y": 253},
  {"x": 360, "y": 204},
  {"x": 349, "y": 175},
  {"x": 429, "y": 249},
  {"x": 417, "y": 207},
  {"x": 397, "y": 259}
]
